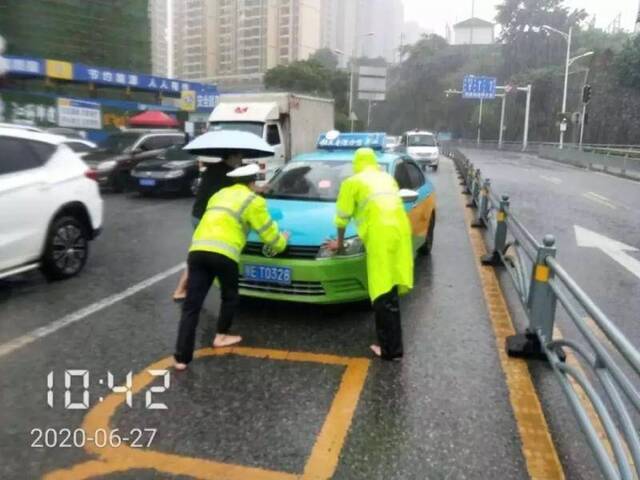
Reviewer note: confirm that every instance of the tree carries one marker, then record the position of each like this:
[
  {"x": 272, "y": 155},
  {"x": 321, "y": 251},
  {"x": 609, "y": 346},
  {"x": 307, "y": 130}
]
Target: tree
[
  {"x": 528, "y": 45},
  {"x": 628, "y": 63},
  {"x": 325, "y": 57},
  {"x": 318, "y": 76},
  {"x": 302, "y": 76}
]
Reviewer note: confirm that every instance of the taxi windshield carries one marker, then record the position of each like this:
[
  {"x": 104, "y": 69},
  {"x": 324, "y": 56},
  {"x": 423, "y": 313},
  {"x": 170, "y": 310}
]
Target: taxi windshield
[
  {"x": 421, "y": 140},
  {"x": 317, "y": 180}
]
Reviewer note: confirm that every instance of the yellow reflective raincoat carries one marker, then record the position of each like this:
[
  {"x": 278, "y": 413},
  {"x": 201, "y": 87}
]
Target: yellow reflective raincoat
[
  {"x": 230, "y": 215},
  {"x": 371, "y": 198}
]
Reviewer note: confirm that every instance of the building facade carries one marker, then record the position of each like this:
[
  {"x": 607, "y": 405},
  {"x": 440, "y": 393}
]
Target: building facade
[
  {"x": 113, "y": 33},
  {"x": 232, "y": 42},
  {"x": 473, "y": 31},
  {"x": 347, "y": 25}
]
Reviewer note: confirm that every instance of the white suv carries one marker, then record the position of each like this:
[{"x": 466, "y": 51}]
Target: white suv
[{"x": 50, "y": 205}]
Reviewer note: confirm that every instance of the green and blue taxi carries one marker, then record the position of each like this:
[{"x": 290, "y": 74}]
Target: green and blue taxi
[{"x": 302, "y": 199}]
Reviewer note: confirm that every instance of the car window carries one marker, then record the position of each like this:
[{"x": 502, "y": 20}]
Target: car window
[
  {"x": 178, "y": 140},
  {"x": 44, "y": 151},
  {"x": 119, "y": 142},
  {"x": 416, "y": 178},
  {"x": 17, "y": 155},
  {"x": 401, "y": 175},
  {"x": 157, "y": 142},
  {"x": 273, "y": 136},
  {"x": 251, "y": 127},
  {"x": 421, "y": 140},
  {"x": 78, "y": 147}
]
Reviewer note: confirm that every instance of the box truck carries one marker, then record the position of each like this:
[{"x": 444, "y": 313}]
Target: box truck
[{"x": 290, "y": 123}]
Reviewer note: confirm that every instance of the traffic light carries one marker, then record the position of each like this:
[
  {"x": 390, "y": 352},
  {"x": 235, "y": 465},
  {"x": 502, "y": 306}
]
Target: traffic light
[{"x": 586, "y": 93}]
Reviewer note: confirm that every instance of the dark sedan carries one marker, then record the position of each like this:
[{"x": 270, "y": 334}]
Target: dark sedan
[
  {"x": 173, "y": 172},
  {"x": 121, "y": 152}
]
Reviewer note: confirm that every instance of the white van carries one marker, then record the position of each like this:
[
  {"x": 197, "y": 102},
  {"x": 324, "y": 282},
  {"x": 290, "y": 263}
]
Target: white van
[{"x": 422, "y": 147}]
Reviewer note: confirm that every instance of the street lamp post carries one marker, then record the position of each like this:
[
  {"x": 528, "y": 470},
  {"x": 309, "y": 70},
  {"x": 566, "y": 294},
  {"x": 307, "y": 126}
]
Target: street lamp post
[
  {"x": 567, "y": 37},
  {"x": 568, "y": 62}
]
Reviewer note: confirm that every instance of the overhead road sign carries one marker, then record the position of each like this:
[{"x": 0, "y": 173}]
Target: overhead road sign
[{"x": 475, "y": 86}]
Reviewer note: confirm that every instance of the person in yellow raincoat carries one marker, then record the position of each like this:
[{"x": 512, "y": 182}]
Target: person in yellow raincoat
[{"x": 371, "y": 198}]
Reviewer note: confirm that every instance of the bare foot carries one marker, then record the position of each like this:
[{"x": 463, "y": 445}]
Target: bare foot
[
  {"x": 180, "y": 366},
  {"x": 181, "y": 290},
  {"x": 377, "y": 351},
  {"x": 224, "y": 340},
  {"x": 179, "y": 296}
]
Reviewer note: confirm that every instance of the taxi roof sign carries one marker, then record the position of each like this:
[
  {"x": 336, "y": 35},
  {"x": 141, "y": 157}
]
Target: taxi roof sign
[{"x": 352, "y": 141}]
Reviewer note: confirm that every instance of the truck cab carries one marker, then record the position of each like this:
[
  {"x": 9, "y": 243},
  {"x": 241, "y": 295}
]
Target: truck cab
[
  {"x": 261, "y": 119},
  {"x": 288, "y": 122}
]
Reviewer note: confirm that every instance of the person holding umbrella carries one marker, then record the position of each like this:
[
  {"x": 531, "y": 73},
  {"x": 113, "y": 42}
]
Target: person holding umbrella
[
  {"x": 212, "y": 179},
  {"x": 219, "y": 240},
  {"x": 227, "y": 149}
]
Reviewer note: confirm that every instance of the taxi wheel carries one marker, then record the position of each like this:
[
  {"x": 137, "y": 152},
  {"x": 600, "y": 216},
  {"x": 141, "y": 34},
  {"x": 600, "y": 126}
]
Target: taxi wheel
[{"x": 426, "y": 247}]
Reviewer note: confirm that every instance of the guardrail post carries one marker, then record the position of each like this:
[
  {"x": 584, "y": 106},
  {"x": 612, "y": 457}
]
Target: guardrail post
[
  {"x": 541, "y": 308},
  {"x": 500, "y": 238},
  {"x": 475, "y": 190},
  {"x": 483, "y": 210},
  {"x": 468, "y": 178}
]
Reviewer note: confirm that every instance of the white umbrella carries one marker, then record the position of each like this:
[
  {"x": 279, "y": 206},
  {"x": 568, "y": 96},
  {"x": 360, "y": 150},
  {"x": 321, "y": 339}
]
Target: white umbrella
[{"x": 223, "y": 143}]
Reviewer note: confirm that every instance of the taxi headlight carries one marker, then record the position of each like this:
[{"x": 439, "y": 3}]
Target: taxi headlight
[{"x": 352, "y": 246}]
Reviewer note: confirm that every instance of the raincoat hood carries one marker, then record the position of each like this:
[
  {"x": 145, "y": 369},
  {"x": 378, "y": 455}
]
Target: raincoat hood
[{"x": 364, "y": 158}]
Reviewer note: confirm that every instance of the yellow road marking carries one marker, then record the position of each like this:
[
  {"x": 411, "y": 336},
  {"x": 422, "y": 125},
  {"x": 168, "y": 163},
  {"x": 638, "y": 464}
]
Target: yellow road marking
[
  {"x": 537, "y": 445},
  {"x": 496, "y": 294},
  {"x": 321, "y": 464}
]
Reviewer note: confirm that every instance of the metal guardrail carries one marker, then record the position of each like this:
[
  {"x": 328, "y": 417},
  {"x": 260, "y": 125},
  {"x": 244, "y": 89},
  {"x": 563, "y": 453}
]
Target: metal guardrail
[
  {"x": 613, "y": 150},
  {"x": 624, "y": 163},
  {"x": 542, "y": 284}
]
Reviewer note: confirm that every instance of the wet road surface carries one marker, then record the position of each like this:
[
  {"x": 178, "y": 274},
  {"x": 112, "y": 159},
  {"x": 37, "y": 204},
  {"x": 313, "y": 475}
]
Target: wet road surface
[{"x": 302, "y": 398}]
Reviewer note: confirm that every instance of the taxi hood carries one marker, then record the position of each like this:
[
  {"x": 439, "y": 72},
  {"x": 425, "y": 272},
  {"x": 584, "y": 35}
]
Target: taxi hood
[{"x": 309, "y": 223}]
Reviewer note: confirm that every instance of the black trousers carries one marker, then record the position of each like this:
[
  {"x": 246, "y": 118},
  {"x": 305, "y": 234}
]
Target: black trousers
[
  {"x": 388, "y": 326},
  {"x": 204, "y": 268}
]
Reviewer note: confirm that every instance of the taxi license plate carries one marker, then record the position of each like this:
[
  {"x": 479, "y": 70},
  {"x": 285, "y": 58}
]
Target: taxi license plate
[
  {"x": 266, "y": 274},
  {"x": 147, "y": 182}
]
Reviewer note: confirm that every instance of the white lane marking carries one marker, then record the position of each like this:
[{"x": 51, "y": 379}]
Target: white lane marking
[
  {"x": 554, "y": 180},
  {"x": 614, "y": 249},
  {"x": 41, "y": 332},
  {"x": 600, "y": 199}
]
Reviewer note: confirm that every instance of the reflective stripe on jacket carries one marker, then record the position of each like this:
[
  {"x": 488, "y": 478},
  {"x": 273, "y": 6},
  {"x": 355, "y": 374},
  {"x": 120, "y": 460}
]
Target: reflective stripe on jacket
[
  {"x": 371, "y": 198},
  {"x": 230, "y": 215}
]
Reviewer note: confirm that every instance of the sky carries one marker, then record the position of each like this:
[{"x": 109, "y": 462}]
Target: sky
[{"x": 434, "y": 14}]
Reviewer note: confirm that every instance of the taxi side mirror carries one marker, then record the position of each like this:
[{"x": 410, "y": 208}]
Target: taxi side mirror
[{"x": 408, "y": 196}]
